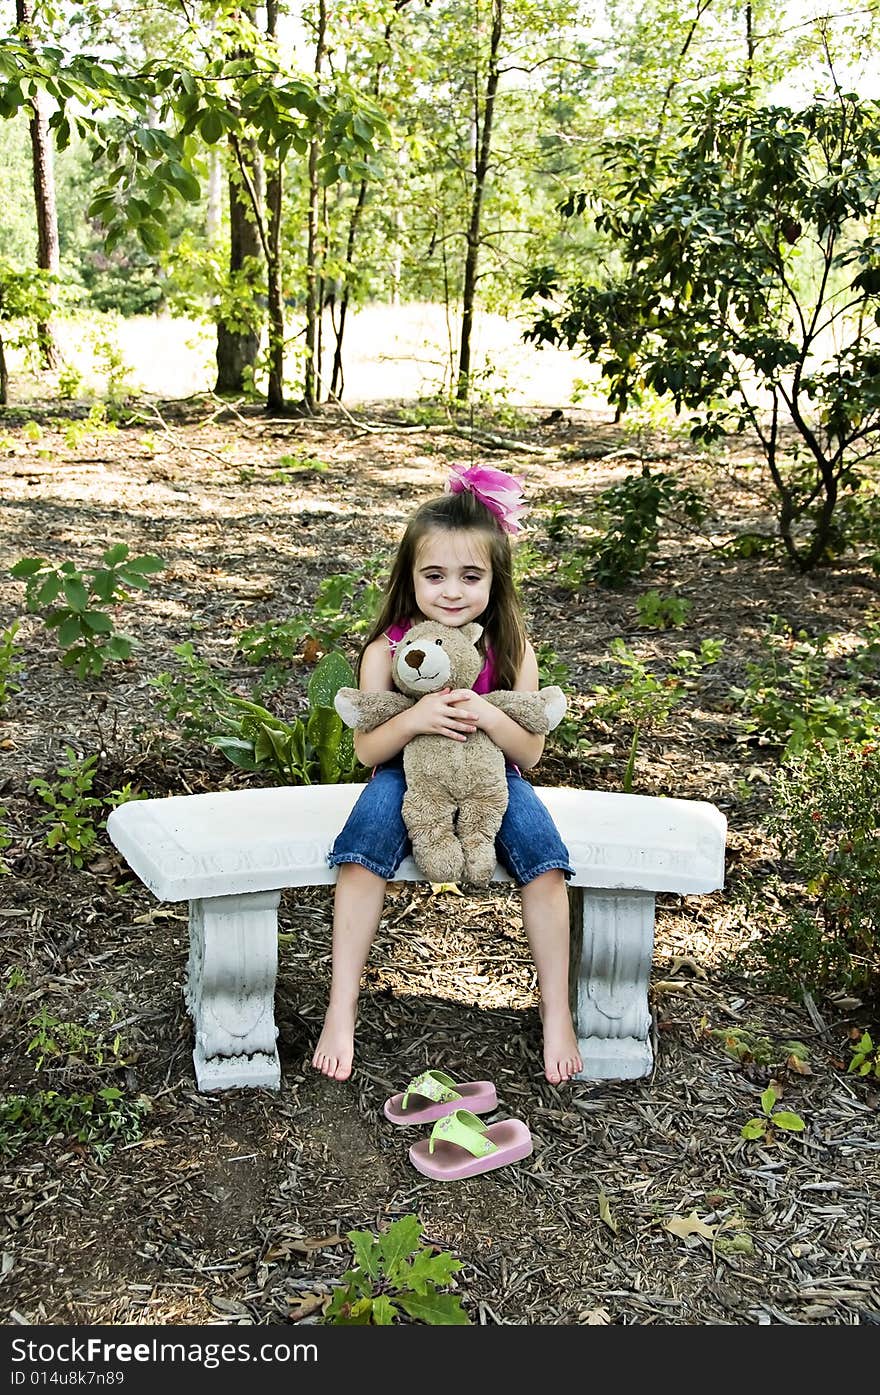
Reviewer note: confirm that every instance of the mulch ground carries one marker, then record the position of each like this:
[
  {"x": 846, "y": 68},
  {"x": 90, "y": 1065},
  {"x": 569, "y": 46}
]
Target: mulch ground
[{"x": 641, "y": 1204}]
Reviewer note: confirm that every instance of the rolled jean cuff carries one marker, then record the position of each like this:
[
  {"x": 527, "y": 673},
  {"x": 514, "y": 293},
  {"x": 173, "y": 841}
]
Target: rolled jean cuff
[{"x": 383, "y": 872}]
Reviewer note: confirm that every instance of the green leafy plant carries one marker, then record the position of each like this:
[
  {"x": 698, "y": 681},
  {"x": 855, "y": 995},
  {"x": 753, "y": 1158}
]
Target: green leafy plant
[
  {"x": 748, "y": 1046},
  {"x": 396, "y": 1275},
  {"x": 76, "y": 603},
  {"x": 70, "y": 382},
  {"x": 866, "y": 1057},
  {"x": 344, "y": 607},
  {"x": 644, "y": 700},
  {"x": 771, "y": 1119},
  {"x": 5, "y": 841},
  {"x": 94, "y": 424},
  {"x": 74, "y": 814},
  {"x": 800, "y": 692},
  {"x": 54, "y": 1039},
  {"x": 631, "y": 513},
  {"x": 10, "y": 665},
  {"x": 660, "y": 612},
  {"x": 316, "y": 749},
  {"x": 825, "y": 819},
  {"x": 100, "y": 1119}
]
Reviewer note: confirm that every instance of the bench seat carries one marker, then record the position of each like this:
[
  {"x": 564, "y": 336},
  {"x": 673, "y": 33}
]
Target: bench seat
[{"x": 231, "y": 852}]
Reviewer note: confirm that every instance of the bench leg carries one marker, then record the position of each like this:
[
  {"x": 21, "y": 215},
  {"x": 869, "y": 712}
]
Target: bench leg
[
  {"x": 230, "y": 990},
  {"x": 612, "y": 941}
]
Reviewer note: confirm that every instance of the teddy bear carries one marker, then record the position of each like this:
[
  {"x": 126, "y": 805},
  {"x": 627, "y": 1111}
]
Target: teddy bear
[{"x": 456, "y": 791}]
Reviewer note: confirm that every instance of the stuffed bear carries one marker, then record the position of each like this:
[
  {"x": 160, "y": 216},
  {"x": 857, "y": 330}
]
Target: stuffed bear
[{"x": 456, "y": 791}]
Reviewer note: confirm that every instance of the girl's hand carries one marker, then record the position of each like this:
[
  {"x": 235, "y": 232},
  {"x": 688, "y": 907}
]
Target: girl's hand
[
  {"x": 437, "y": 715},
  {"x": 471, "y": 706}
]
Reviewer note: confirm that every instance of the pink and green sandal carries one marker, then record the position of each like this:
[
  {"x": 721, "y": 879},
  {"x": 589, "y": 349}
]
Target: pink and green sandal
[
  {"x": 461, "y": 1145},
  {"x": 433, "y": 1095}
]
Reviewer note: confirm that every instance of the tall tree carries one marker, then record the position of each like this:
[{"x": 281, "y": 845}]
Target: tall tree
[{"x": 48, "y": 258}]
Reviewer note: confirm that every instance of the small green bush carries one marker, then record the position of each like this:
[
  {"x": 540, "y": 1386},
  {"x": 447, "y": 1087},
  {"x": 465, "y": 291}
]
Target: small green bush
[
  {"x": 74, "y": 814},
  {"x": 10, "y": 665},
  {"x": 76, "y": 604},
  {"x": 660, "y": 612},
  {"x": 101, "y": 1119},
  {"x": 316, "y": 749},
  {"x": 631, "y": 513},
  {"x": 394, "y": 1274},
  {"x": 825, "y": 818}
]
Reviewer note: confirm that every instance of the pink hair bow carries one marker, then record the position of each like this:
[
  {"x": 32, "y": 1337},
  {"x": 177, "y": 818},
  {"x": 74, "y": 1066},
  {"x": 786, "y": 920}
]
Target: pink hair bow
[{"x": 501, "y": 493}]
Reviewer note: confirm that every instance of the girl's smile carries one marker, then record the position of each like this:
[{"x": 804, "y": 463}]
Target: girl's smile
[{"x": 452, "y": 577}]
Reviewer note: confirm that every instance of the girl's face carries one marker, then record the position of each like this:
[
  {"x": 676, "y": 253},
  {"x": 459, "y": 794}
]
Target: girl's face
[{"x": 452, "y": 576}]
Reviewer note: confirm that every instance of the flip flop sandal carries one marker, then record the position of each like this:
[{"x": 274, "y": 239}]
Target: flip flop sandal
[
  {"x": 437, "y": 1095},
  {"x": 461, "y": 1145}
]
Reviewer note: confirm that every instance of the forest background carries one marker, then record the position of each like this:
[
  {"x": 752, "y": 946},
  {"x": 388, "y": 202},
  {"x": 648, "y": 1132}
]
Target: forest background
[{"x": 630, "y": 250}]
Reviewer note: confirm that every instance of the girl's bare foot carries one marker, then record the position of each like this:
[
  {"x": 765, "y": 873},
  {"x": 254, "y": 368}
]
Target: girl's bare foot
[
  {"x": 562, "y": 1059},
  {"x": 334, "y": 1053}
]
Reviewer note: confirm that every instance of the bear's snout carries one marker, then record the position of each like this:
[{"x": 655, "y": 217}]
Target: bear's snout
[{"x": 414, "y": 658}]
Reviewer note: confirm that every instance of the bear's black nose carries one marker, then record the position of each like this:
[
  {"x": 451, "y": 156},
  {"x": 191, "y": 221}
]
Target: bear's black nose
[{"x": 414, "y": 658}]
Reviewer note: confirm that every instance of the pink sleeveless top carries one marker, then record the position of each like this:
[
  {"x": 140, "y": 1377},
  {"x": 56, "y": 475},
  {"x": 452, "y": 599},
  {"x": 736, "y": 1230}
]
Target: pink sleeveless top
[{"x": 486, "y": 681}]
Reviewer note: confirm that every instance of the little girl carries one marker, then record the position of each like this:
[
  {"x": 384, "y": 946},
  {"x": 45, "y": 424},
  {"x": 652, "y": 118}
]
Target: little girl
[{"x": 453, "y": 565}]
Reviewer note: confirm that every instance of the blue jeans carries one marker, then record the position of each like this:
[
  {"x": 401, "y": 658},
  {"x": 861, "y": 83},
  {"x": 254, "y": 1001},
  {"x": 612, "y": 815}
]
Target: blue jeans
[{"x": 375, "y": 835}]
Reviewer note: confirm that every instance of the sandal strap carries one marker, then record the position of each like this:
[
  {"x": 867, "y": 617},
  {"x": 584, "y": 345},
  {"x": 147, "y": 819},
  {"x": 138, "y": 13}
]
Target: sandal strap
[
  {"x": 465, "y": 1129},
  {"x": 432, "y": 1085}
]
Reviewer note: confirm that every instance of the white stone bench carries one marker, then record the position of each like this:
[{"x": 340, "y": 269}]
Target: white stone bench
[{"x": 230, "y": 853}]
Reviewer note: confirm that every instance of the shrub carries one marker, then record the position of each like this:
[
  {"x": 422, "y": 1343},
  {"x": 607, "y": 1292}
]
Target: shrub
[
  {"x": 825, "y": 817},
  {"x": 76, "y": 604}
]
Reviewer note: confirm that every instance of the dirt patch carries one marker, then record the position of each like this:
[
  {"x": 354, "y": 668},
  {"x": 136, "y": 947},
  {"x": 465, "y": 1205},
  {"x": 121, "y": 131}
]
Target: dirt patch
[{"x": 231, "y": 1207}]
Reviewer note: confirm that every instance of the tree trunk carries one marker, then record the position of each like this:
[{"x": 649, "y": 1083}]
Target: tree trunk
[
  {"x": 275, "y": 395},
  {"x": 311, "y": 369},
  {"x": 483, "y": 148},
  {"x": 237, "y": 348},
  {"x": 48, "y": 258}
]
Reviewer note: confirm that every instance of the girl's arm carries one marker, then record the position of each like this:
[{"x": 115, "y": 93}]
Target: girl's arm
[
  {"x": 523, "y": 748},
  {"x": 431, "y": 714}
]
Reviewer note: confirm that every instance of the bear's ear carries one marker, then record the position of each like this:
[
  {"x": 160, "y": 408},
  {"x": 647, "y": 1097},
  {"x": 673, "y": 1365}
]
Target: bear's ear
[{"x": 471, "y": 631}]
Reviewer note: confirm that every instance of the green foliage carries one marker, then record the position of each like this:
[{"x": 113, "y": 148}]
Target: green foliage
[
  {"x": 825, "y": 818},
  {"x": 85, "y": 629},
  {"x": 799, "y": 693},
  {"x": 25, "y": 304},
  {"x": 100, "y": 1119},
  {"x": 865, "y": 1058},
  {"x": 660, "y": 612},
  {"x": 5, "y": 841},
  {"x": 740, "y": 240},
  {"x": 95, "y": 424},
  {"x": 750, "y": 1047},
  {"x": 644, "y": 700},
  {"x": 632, "y": 512},
  {"x": 10, "y": 665},
  {"x": 345, "y": 605},
  {"x": 74, "y": 814},
  {"x": 395, "y": 1275},
  {"x": 316, "y": 749},
  {"x": 55, "y": 1040},
  {"x": 771, "y": 1119}
]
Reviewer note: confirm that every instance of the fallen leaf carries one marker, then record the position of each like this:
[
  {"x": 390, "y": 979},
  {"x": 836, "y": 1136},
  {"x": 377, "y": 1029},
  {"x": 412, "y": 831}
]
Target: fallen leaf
[
  {"x": 304, "y": 1304},
  {"x": 437, "y": 889},
  {"x": 605, "y": 1212},
  {"x": 684, "y": 961},
  {"x": 312, "y": 651},
  {"x": 798, "y": 1066},
  {"x": 683, "y": 1226},
  {"x": 304, "y": 1246},
  {"x": 594, "y": 1317}
]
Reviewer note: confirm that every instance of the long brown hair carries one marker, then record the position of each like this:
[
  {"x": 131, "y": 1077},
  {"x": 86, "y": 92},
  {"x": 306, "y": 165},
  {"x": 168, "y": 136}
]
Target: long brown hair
[{"x": 502, "y": 620}]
